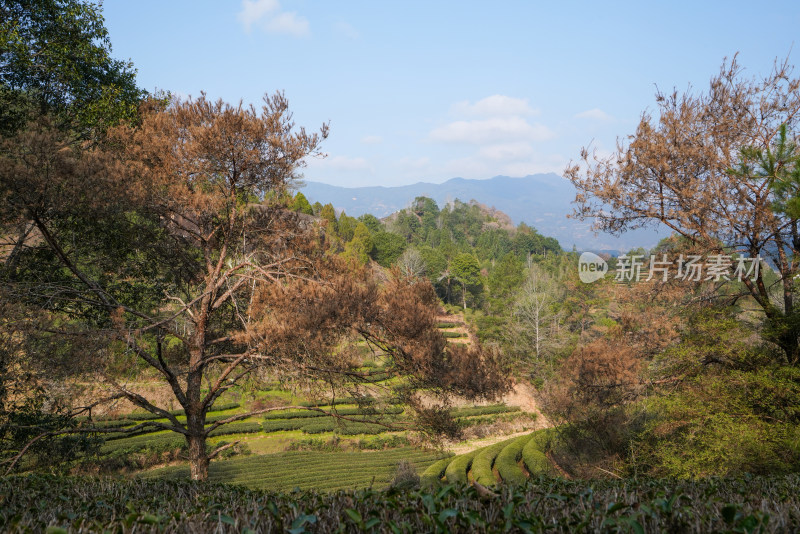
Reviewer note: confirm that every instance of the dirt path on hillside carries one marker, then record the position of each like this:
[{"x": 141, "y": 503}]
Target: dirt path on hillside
[
  {"x": 521, "y": 395},
  {"x": 470, "y": 445},
  {"x": 461, "y": 328}
]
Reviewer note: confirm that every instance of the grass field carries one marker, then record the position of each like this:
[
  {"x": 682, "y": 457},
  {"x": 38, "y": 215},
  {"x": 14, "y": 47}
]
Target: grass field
[{"x": 323, "y": 471}]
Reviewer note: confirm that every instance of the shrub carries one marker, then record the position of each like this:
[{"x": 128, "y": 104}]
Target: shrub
[
  {"x": 454, "y": 334},
  {"x": 236, "y": 428},
  {"x": 456, "y": 471},
  {"x": 435, "y": 472},
  {"x": 383, "y": 442},
  {"x": 406, "y": 477},
  {"x": 506, "y": 461},
  {"x": 533, "y": 454},
  {"x": 482, "y": 410},
  {"x": 484, "y": 461}
]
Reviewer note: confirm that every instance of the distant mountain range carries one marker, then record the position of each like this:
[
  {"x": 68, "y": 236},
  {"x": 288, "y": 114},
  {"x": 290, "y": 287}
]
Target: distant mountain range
[{"x": 540, "y": 200}]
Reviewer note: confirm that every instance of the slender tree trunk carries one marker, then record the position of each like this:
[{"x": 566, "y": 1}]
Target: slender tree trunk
[{"x": 537, "y": 320}]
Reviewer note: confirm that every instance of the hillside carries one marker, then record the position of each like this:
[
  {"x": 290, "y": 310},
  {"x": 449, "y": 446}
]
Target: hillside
[{"x": 541, "y": 200}]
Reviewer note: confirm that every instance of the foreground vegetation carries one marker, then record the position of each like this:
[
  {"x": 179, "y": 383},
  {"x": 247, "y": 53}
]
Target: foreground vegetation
[{"x": 757, "y": 504}]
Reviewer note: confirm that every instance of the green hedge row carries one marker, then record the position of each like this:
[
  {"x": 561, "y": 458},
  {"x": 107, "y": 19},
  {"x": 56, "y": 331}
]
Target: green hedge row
[
  {"x": 280, "y": 425},
  {"x": 454, "y": 334},
  {"x": 239, "y": 427},
  {"x": 320, "y": 470},
  {"x": 342, "y": 400},
  {"x": 434, "y": 473},
  {"x": 456, "y": 471},
  {"x": 147, "y": 416},
  {"x": 484, "y": 461},
  {"x": 506, "y": 461},
  {"x": 533, "y": 454},
  {"x": 152, "y": 430},
  {"x": 482, "y": 410},
  {"x": 303, "y": 414},
  {"x": 169, "y": 440},
  {"x": 346, "y": 428}
]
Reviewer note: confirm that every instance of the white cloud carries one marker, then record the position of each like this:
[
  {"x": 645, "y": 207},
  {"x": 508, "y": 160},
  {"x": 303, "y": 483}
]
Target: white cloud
[
  {"x": 491, "y": 131},
  {"x": 347, "y": 30},
  {"x": 495, "y": 106},
  {"x": 289, "y": 23},
  {"x": 594, "y": 114},
  {"x": 372, "y": 140},
  {"x": 508, "y": 151},
  {"x": 267, "y": 15}
]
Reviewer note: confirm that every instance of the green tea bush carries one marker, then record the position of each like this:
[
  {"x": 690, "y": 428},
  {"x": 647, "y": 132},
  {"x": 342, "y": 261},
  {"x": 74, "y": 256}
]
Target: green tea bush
[
  {"x": 435, "y": 472},
  {"x": 454, "y": 334},
  {"x": 71, "y": 504},
  {"x": 456, "y": 471},
  {"x": 279, "y": 425},
  {"x": 533, "y": 453},
  {"x": 391, "y": 441},
  {"x": 366, "y": 400},
  {"x": 346, "y": 428},
  {"x": 315, "y": 469},
  {"x": 242, "y": 427},
  {"x": 315, "y": 444},
  {"x": 484, "y": 461},
  {"x": 146, "y": 416},
  {"x": 506, "y": 461},
  {"x": 482, "y": 410},
  {"x": 301, "y": 414}
]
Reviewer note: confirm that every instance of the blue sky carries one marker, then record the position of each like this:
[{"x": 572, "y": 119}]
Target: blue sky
[{"x": 427, "y": 91}]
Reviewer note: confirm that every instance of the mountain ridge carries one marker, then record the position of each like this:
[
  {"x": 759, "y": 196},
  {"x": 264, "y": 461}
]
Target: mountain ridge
[{"x": 543, "y": 201}]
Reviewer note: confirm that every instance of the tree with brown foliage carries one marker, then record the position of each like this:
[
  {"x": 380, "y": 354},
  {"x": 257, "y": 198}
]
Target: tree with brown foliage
[
  {"x": 714, "y": 168},
  {"x": 172, "y": 244}
]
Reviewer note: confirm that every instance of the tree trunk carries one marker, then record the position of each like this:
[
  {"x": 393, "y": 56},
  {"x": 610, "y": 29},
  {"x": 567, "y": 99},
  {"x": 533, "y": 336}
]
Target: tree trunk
[
  {"x": 784, "y": 331},
  {"x": 789, "y": 343},
  {"x": 198, "y": 458}
]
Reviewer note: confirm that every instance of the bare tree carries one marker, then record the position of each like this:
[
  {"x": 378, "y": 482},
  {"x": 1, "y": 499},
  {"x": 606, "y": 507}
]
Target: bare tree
[
  {"x": 411, "y": 263},
  {"x": 535, "y": 314}
]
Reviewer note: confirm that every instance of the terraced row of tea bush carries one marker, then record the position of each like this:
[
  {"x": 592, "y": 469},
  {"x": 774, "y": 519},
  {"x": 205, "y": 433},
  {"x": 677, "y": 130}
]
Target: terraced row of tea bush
[
  {"x": 307, "y": 421},
  {"x": 167, "y": 440},
  {"x": 324, "y": 471},
  {"x": 470, "y": 411},
  {"x": 295, "y": 414},
  {"x": 147, "y": 416},
  {"x": 750, "y": 504},
  {"x": 510, "y": 462},
  {"x": 153, "y": 429},
  {"x": 319, "y": 425},
  {"x": 450, "y": 334}
]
